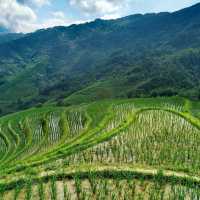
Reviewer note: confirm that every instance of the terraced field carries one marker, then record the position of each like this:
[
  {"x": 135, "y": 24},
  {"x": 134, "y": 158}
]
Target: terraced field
[{"x": 120, "y": 149}]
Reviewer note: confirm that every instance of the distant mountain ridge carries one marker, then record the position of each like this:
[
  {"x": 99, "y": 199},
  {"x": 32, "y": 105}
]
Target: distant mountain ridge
[
  {"x": 7, "y": 36},
  {"x": 138, "y": 55},
  {"x": 3, "y": 30}
]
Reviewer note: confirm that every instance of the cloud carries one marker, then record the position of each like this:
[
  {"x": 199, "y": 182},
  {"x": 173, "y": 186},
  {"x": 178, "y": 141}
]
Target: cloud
[
  {"x": 16, "y": 16},
  {"x": 117, "y": 8},
  {"x": 56, "y": 19},
  {"x": 59, "y": 14},
  {"x": 37, "y": 3},
  {"x": 21, "y": 15},
  {"x": 100, "y": 7}
]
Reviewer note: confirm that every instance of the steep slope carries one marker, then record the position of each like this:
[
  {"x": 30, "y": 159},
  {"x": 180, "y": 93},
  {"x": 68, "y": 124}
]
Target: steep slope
[{"x": 143, "y": 55}]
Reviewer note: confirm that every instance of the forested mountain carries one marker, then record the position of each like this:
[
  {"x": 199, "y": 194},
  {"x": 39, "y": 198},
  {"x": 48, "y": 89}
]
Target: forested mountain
[
  {"x": 154, "y": 54},
  {"x": 7, "y": 37},
  {"x": 3, "y": 30}
]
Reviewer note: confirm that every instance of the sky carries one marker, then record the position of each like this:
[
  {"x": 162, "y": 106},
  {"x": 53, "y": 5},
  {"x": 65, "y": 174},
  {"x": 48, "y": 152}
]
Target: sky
[{"x": 29, "y": 15}]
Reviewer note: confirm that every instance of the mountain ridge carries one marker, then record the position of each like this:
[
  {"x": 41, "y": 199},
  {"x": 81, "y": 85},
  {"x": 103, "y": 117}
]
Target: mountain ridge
[{"x": 142, "y": 55}]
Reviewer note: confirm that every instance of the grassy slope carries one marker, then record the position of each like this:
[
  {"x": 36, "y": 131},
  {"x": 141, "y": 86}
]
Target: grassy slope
[{"x": 112, "y": 89}]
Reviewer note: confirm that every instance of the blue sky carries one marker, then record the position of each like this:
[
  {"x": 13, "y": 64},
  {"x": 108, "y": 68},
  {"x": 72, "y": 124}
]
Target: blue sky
[{"x": 30, "y": 15}]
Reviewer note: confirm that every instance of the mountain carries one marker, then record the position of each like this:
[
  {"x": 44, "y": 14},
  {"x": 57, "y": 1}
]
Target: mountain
[
  {"x": 7, "y": 36},
  {"x": 156, "y": 54},
  {"x": 3, "y": 30}
]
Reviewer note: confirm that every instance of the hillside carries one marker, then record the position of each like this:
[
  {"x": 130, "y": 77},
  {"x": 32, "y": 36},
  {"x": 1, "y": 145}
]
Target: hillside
[
  {"x": 105, "y": 110},
  {"x": 7, "y": 37},
  {"x": 135, "y": 56},
  {"x": 3, "y": 30},
  {"x": 138, "y": 148}
]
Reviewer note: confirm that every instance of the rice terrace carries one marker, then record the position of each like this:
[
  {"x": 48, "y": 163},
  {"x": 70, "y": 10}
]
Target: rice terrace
[{"x": 112, "y": 149}]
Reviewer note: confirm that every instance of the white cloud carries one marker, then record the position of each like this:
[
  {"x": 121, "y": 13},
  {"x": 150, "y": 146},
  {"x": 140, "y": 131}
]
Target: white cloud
[
  {"x": 16, "y": 17},
  {"x": 111, "y": 16},
  {"x": 58, "y": 19},
  {"x": 20, "y": 15},
  {"x": 59, "y": 14},
  {"x": 108, "y": 9},
  {"x": 99, "y": 8},
  {"x": 37, "y": 3}
]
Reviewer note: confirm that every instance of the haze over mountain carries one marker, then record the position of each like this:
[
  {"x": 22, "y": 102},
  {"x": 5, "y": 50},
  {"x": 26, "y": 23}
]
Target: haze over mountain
[
  {"x": 134, "y": 56},
  {"x": 3, "y": 30}
]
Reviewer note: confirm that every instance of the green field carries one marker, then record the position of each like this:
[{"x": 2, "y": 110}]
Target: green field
[{"x": 113, "y": 149}]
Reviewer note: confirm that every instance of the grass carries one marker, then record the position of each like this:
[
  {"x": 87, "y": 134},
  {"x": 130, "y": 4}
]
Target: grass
[{"x": 160, "y": 137}]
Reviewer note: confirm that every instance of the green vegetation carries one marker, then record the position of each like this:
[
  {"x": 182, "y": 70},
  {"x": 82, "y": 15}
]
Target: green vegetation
[
  {"x": 115, "y": 110},
  {"x": 136, "y": 56},
  {"x": 116, "y": 149}
]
